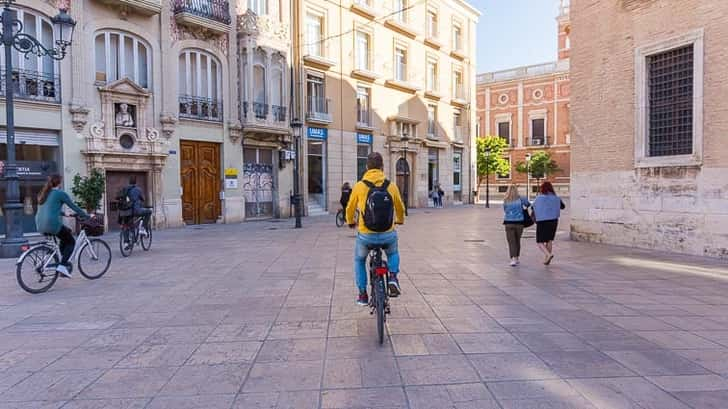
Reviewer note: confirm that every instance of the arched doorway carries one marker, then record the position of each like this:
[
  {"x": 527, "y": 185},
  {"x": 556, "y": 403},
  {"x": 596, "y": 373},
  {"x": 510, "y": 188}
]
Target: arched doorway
[{"x": 403, "y": 174}]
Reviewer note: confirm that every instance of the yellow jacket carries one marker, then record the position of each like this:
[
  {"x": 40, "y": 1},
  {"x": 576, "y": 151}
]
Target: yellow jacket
[{"x": 358, "y": 200}]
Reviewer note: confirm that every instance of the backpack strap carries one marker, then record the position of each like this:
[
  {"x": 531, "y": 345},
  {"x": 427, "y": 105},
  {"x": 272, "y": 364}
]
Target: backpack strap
[
  {"x": 385, "y": 185},
  {"x": 369, "y": 184}
]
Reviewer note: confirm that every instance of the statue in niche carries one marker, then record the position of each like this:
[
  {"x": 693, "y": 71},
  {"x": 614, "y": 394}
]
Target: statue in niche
[{"x": 124, "y": 117}]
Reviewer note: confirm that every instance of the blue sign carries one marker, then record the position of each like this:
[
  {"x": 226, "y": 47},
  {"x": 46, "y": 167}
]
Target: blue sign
[
  {"x": 317, "y": 133},
  {"x": 364, "y": 138}
]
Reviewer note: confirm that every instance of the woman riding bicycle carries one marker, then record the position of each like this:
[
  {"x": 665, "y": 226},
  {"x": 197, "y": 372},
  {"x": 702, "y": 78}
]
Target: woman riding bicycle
[
  {"x": 48, "y": 219},
  {"x": 345, "y": 195}
]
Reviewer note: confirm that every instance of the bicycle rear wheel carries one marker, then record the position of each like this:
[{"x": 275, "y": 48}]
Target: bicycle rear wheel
[
  {"x": 379, "y": 294},
  {"x": 146, "y": 240},
  {"x": 340, "y": 220},
  {"x": 94, "y": 259},
  {"x": 126, "y": 243},
  {"x": 31, "y": 275}
]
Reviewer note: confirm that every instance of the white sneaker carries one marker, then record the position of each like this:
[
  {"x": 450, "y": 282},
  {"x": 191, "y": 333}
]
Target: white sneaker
[
  {"x": 513, "y": 262},
  {"x": 62, "y": 270},
  {"x": 143, "y": 232},
  {"x": 518, "y": 262}
]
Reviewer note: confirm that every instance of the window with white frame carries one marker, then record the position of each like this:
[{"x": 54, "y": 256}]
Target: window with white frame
[
  {"x": 314, "y": 34},
  {"x": 669, "y": 78},
  {"x": 121, "y": 55},
  {"x": 432, "y": 27},
  {"x": 35, "y": 77},
  {"x": 259, "y": 7},
  {"x": 457, "y": 37},
  {"x": 458, "y": 89},
  {"x": 363, "y": 106},
  {"x": 400, "y": 8},
  {"x": 362, "y": 51},
  {"x": 431, "y": 75},
  {"x": 316, "y": 92},
  {"x": 504, "y": 130},
  {"x": 400, "y": 64},
  {"x": 457, "y": 120},
  {"x": 432, "y": 121},
  {"x": 260, "y": 87},
  {"x": 200, "y": 77},
  {"x": 538, "y": 131}
]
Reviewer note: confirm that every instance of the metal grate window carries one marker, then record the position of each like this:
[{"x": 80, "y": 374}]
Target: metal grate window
[{"x": 670, "y": 76}]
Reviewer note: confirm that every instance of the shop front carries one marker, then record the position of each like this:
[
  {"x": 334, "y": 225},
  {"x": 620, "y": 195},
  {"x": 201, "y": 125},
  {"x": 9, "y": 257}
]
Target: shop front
[
  {"x": 37, "y": 154},
  {"x": 363, "y": 149},
  {"x": 316, "y": 165}
]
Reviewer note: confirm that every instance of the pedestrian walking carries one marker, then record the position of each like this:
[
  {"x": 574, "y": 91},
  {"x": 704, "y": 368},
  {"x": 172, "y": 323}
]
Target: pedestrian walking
[
  {"x": 546, "y": 210},
  {"x": 514, "y": 207},
  {"x": 440, "y": 194},
  {"x": 345, "y": 195}
]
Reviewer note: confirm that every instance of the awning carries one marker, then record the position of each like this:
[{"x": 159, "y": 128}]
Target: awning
[{"x": 43, "y": 137}]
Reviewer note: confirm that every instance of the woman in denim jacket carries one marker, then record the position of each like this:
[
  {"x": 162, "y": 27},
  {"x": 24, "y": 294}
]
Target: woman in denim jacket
[
  {"x": 547, "y": 210},
  {"x": 513, "y": 206}
]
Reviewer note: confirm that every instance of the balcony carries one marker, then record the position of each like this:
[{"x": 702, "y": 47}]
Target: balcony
[
  {"x": 457, "y": 134},
  {"x": 33, "y": 86},
  {"x": 200, "y": 108},
  {"x": 538, "y": 141},
  {"x": 209, "y": 15},
  {"x": 317, "y": 110},
  {"x": 459, "y": 97},
  {"x": 364, "y": 9},
  {"x": 143, "y": 7},
  {"x": 364, "y": 120},
  {"x": 279, "y": 113},
  {"x": 400, "y": 24},
  {"x": 262, "y": 118}
]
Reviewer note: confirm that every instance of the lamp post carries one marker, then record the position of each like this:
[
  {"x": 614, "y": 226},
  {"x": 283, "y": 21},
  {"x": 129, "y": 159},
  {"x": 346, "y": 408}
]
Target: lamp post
[
  {"x": 487, "y": 178},
  {"x": 405, "y": 189},
  {"x": 13, "y": 38},
  {"x": 296, "y": 125},
  {"x": 528, "y": 177}
]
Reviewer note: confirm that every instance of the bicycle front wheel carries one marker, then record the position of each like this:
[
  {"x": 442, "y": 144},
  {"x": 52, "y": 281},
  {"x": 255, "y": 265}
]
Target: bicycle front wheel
[
  {"x": 126, "y": 245},
  {"x": 340, "y": 218},
  {"x": 146, "y": 240},
  {"x": 36, "y": 271},
  {"x": 379, "y": 294},
  {"x": 94, "y": 259}
]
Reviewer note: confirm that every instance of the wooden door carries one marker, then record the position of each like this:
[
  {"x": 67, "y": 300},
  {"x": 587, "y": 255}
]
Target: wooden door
[
  {"x": 115, "y": 181},
  {"x": 200, "y": 175}
]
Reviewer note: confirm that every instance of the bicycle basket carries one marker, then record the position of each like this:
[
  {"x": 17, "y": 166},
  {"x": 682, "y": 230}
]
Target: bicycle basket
[{"x": 93, "y": 227}]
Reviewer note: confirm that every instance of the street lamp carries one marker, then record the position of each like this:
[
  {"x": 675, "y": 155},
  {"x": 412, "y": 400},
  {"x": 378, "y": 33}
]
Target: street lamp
[
  {"x": 405, "y": 189},
  {"x": 296, "y": 125},
  {"x": 13, "y": 38},
  {"x": 528, "y": 177},
  {"x": 487, "y": 177}
]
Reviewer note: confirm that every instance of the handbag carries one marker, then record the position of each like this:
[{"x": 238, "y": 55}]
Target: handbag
[{"x": 527, "y": 219}]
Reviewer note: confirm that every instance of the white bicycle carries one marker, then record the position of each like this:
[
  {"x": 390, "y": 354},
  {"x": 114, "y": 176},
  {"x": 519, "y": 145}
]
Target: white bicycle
[{"x": 36, "y": 267}]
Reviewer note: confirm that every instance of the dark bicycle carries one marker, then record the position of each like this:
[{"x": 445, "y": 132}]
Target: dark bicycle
[
  {"x": 378, "y": 277},
  {"x": 340, "y": 218},
  {"x": 133, "y": 233}
]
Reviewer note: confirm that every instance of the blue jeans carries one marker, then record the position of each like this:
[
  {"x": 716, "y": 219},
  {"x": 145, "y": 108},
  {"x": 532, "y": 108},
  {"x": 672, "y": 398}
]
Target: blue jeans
[{"x": 388, "y": 239}]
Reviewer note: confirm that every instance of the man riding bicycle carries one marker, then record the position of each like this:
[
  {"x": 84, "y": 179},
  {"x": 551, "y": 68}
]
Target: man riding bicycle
[
  {"x": 380, "y": 208},
  {"x": 132, "y": 201}
]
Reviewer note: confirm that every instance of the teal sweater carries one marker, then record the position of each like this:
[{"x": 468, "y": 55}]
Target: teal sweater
[{"x": 48, "y": 219}]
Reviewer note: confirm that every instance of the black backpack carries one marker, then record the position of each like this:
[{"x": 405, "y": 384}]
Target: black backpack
[
  {"x": 124, "y": 200},
  {"x": 379, "y": 208}
]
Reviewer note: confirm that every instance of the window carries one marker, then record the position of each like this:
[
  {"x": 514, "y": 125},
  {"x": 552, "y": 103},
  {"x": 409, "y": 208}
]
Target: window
[
  {"x": 406, "y": 128},
  {"x": 670, "y": 99},
  {"x": 567, "y": 42},
  {"x": 363, "y": 116},
  {"x": 457, "y": 171},
  {"x": 400, "y": 8},
  {"x": 669, "y": 125},
  {"x": 362, "y": 51},
  {"x": 506, "y": 175},
  {"x": 317, "y": 103},
  {"x": 504, "y": 131},
  {"x": 314, "y": 33},
  {"x": 260, "y": 103},
  {"x": 34, "y": 77},
  {"x": 400, "y": 64},
  {"x": 362, "y": 2},
  {"x": 432, "y": 75},
  {"x": 120, "y": 55},
  {"x": 538, "y": 128},
  {"x": 432, "y": 23},
  {"x": 458, "y": 90},
  {"x": 260, "y": 7},
  {"x": 199, "y": 85},
  {"x": 432, "y": 121},
  {"x": 457, "y": 38},
  {"x": 278, "y": 107},
  {"x": 458, "y": 126},
  {"x": 362, "y": 152}
]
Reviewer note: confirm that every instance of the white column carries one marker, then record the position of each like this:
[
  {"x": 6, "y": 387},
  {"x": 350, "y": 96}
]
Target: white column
[
  {"x": 188, "y": 74},
  {"x": 107, "y": 47},
  {"x": 209, "y": 76},
  {"x": 135, "y": 45},
  {"x": 251, "y": 81},
  {"x": 520, "y": 114},
  {"x": 268, "y": 58},
  {"x": 198, "y": 71},
  {"x": 487, "y": 112},
  {"x": 120, "y": 56}
]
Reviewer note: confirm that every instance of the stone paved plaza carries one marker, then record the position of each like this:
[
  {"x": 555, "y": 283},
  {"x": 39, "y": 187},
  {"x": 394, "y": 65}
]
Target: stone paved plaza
[{"x": 261, "y": 316}]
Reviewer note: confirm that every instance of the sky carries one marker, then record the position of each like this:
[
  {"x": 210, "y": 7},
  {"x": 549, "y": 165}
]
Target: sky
[{"x": 513, "y": 33}]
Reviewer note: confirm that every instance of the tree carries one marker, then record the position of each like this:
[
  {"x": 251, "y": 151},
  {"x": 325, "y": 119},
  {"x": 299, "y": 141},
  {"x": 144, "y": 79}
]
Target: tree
[
  {"x": 88, "y": 190},
  {"x": 540, "y": 166},
  {"x": 494, "y": 163}
]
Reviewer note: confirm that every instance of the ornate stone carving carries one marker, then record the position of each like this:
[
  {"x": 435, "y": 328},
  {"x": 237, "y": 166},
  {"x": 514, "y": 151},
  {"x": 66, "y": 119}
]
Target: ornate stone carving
[
  {"x": 152, "y": 134},
  {"x": 248, "y": 23},
  {"x": 97, "y": 130},
  {"x": 169, "y": 123},
  {"x": 236, "y": 131},
  {"x": 79, "y": 117},
  {"x": 215, "y": 40}
]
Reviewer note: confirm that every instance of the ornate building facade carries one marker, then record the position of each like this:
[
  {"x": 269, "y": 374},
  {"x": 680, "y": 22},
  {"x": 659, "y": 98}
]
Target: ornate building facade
[{"x": 529, "y": 108}]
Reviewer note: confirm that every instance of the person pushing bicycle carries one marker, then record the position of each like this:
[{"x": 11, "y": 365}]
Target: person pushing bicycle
[
  {"x": 48, "y": 219},
  {"x": 380, "y": 207}
]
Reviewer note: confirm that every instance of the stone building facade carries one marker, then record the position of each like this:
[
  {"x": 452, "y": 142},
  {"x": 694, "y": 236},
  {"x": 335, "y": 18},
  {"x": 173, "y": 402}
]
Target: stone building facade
[
  {"x": 649, "y": 119},
  {"x": 396, "y": 77},
  {"x": 529, "y": 108}
]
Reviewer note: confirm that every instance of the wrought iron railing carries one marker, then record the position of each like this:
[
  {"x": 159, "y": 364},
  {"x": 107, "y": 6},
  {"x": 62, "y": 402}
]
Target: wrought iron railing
[
  {"x": 318, "y": 109},
  {"x": 33, "y": 85},
  {"x": 363, "y": 117},
  {"x": 260, "y": 110},
  {"x": 218, "y": 10},
  {"x": 204, "y": 109},
  {"x": 279, "y": 113}
]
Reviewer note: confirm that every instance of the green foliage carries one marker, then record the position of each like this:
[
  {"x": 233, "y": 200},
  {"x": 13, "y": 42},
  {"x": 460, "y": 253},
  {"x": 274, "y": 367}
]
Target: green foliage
[
  {"x": 89, "y": 190},
  {"x": 494, "y": 163},
  {"x": 541, "y": 165}
]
